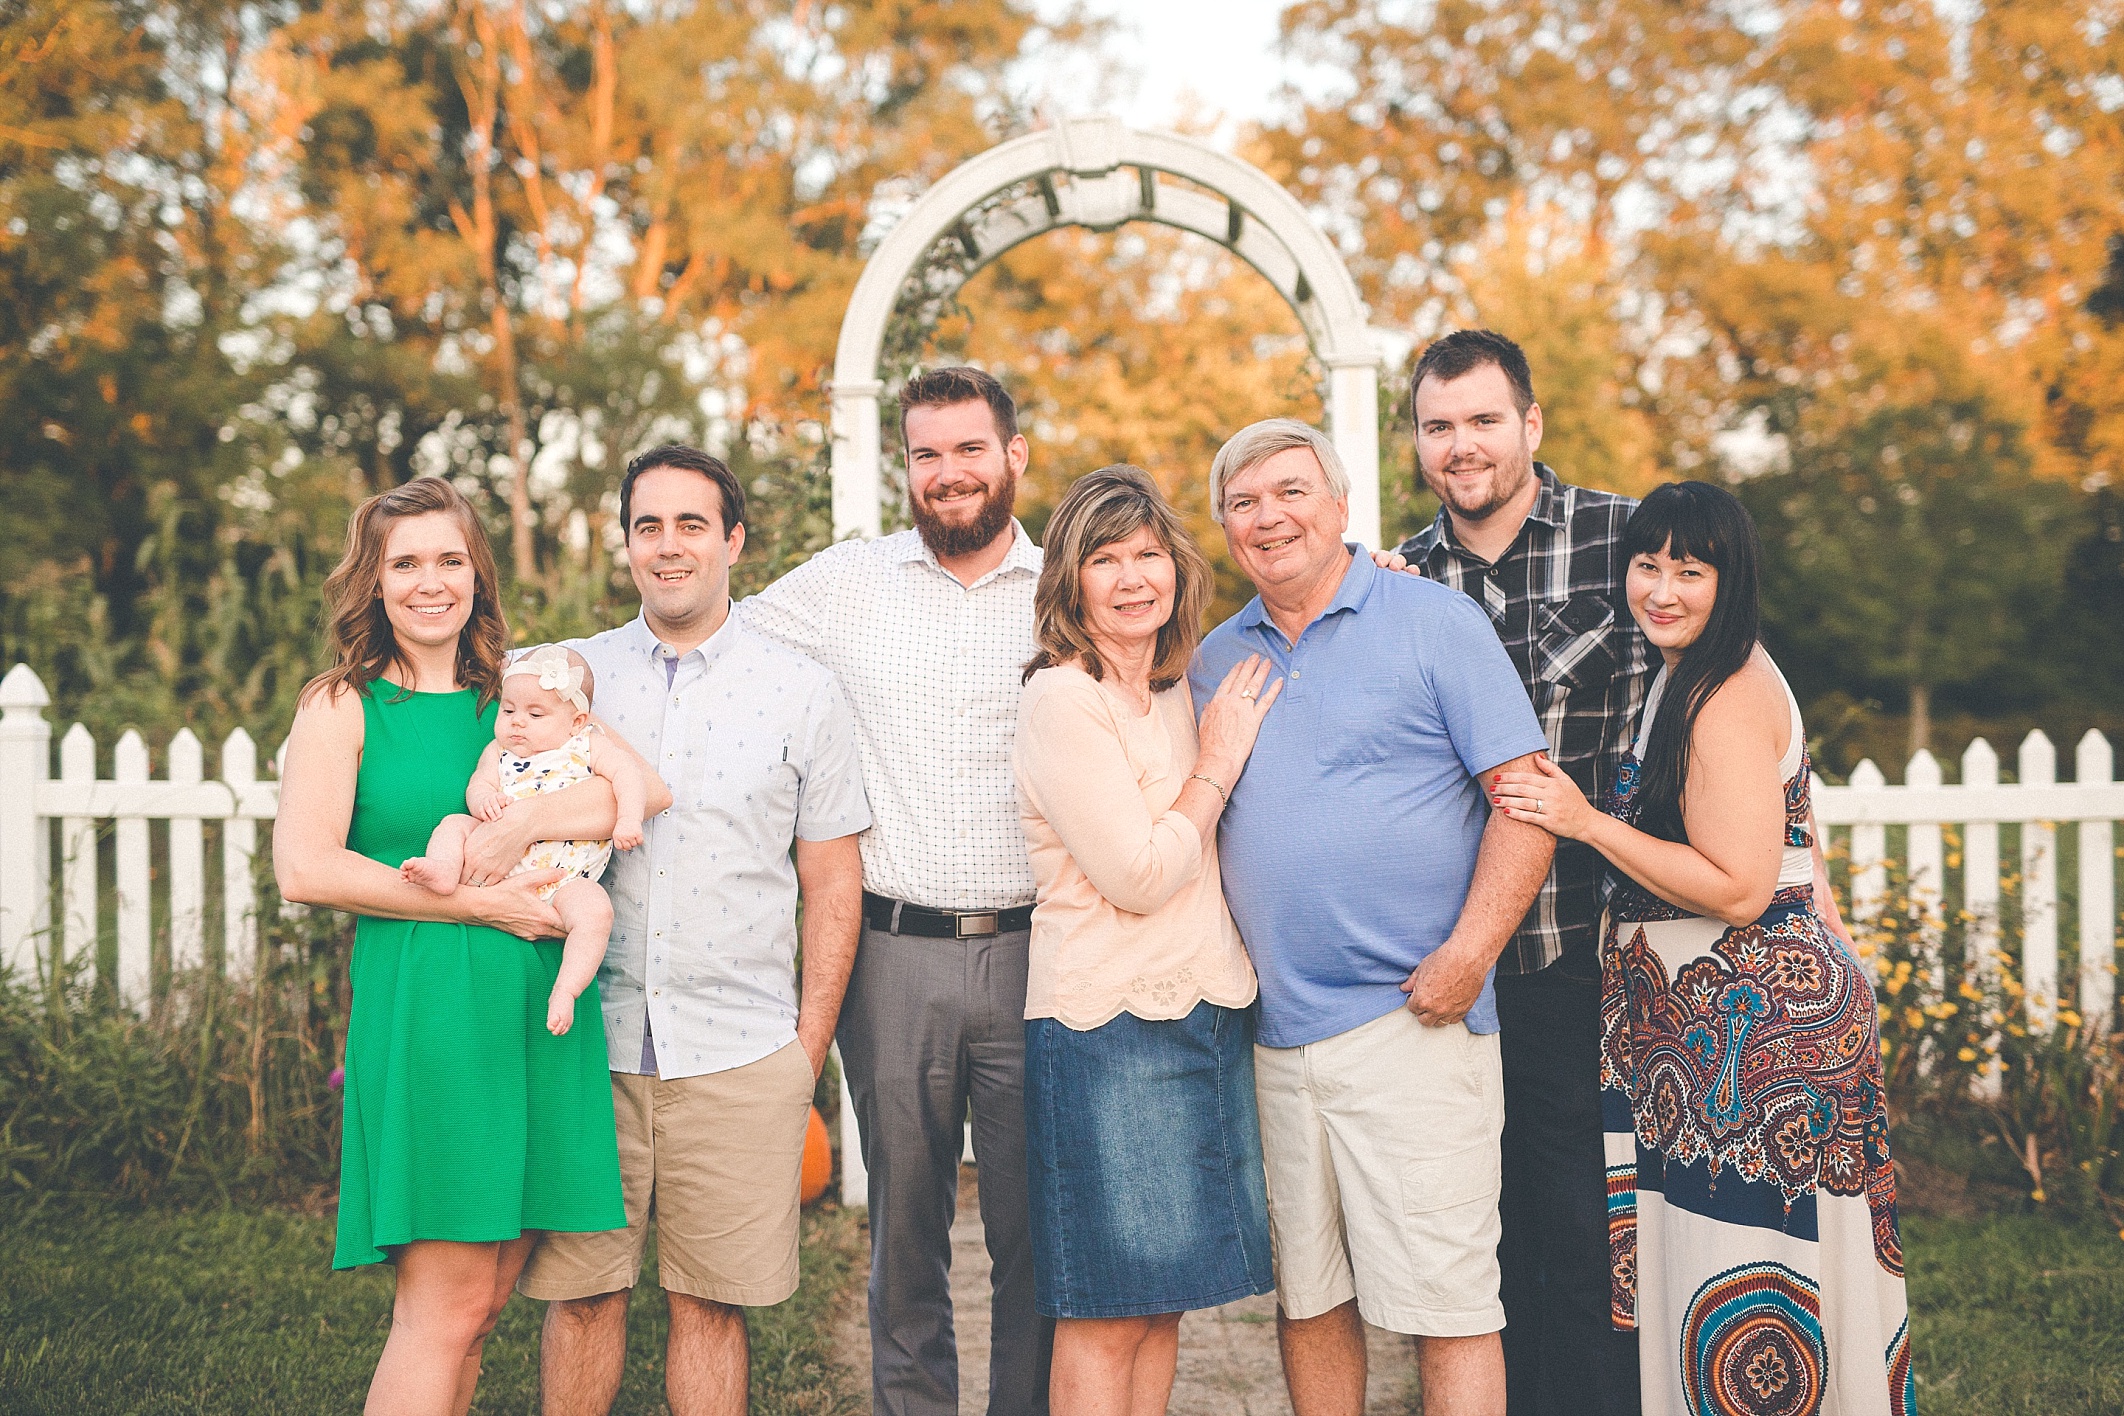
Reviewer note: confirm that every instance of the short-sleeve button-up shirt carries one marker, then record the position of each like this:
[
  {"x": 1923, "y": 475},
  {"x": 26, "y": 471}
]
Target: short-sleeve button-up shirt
[
  {"x": 933, "y": 669},
  {"x": 757, "y": 745}
]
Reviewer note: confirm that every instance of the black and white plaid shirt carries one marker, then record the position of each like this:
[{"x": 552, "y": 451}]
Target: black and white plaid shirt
[{"x": 1556, "y": 598}]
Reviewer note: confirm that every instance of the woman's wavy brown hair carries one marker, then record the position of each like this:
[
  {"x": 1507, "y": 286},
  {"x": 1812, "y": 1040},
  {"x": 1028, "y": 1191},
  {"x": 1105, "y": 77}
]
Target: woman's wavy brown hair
[
  {"x": 357, "y": 631},
  {"x": 1101, "y": 508}
]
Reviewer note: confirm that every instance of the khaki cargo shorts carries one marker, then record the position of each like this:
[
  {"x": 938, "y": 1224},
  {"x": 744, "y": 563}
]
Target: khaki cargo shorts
[
  {"x": 716, "y": 1163},
  {"x": 1381, "y": 1148}
]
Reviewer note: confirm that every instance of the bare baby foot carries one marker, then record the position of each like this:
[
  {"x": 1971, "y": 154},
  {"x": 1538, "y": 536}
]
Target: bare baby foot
[{"x": 429, "y": 873}]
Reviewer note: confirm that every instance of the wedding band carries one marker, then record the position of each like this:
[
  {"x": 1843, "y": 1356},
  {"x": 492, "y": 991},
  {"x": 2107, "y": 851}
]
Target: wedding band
[{"x": 1537, "y": 806}]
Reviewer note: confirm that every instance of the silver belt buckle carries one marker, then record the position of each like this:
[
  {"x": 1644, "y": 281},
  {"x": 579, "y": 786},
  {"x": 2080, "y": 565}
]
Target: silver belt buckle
[{"x": 972, "y": 926}]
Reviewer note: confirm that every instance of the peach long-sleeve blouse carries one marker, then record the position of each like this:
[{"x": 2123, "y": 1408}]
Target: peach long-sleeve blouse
[{"x": 1130, "y": 915}]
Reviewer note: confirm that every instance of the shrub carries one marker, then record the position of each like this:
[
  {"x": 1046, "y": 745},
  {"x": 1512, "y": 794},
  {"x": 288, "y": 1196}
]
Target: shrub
[
  {"x": 221, "y": 1093},
  {"x": 1964, "y": 1061}
]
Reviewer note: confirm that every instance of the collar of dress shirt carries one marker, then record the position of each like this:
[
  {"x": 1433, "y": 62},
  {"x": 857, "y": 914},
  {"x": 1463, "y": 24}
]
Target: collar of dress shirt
[
  {"x": 642, "y": 640},
  {"x": 1022, "y": 557}
]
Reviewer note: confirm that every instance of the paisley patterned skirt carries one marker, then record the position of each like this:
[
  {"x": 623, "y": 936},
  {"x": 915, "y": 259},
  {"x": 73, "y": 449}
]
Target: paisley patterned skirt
[{"x": 1751, "y": 1200}]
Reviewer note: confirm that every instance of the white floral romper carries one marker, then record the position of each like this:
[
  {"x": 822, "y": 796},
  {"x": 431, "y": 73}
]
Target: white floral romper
[{"x": 554, "y": 770}]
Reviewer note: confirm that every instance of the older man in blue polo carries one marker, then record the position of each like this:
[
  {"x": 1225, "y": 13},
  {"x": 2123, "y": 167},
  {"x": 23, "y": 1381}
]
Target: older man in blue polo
[{"x": 1375, "y": 891}]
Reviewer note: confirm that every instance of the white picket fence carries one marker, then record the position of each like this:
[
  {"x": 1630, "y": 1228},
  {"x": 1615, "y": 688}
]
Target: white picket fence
[
  {"x": 1978, "y": 806},
  {"x": 34, "y": 804}
]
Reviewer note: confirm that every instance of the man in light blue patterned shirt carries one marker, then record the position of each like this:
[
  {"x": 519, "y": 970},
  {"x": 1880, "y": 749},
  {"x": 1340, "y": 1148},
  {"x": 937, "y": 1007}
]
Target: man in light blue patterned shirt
[{"x": 714, "y": 1045}]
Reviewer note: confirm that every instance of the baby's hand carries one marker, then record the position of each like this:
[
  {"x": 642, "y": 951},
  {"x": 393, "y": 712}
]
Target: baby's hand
[
  {"x": 490, "y": 808},
  {"x": 626, "y": 835},
  {"x": 560, "y": 1013}
]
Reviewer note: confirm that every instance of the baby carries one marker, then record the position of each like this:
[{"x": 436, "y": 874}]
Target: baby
[{"x": 544, "y": 741}]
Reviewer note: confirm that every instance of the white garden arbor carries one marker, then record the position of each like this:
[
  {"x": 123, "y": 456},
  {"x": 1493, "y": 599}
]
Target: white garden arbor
[{"x": 1094, "y": 172}]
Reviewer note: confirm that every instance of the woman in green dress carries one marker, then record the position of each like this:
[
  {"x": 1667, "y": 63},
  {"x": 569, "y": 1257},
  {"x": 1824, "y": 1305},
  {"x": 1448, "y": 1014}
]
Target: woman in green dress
[{"x": 468, "y": 1127}]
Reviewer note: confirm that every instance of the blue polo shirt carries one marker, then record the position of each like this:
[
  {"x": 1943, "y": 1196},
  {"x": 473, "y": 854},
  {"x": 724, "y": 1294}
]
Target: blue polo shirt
[{"x": 1351, "y": 836}]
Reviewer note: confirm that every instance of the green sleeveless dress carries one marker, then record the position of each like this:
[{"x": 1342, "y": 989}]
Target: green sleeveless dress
[{"x": 465, "y": 1119}]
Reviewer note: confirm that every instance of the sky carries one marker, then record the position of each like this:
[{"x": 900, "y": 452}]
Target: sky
[{"x": 1172, "y": 61}]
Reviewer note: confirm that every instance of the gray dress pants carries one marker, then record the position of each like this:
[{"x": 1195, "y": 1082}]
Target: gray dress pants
[{"x": 929, "y": 1025}]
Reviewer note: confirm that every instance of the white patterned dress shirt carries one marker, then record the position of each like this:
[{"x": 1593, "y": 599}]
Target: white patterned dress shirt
[
  {"x": 758, "y": 746},
  {"x": 933, "y": 669}
]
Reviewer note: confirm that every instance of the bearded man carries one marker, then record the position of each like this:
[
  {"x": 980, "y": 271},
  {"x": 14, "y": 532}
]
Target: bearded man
[{"x": 928, "y": 632}]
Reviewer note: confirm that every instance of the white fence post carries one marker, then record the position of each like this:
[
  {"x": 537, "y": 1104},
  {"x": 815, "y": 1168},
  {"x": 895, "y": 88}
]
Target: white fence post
[
  {"x": 1928, "y": 869},
  {"x": 1869, "y": 850},
  {"x": 2094, "y": 764},
  {"x": 2039, "y": 888},
  {"x": 25, "y": 860},
  {"x": 1980, "y": 864},
  {"x": 135, "y": 931},
  {"x": 239, "y": 846},
  {"x": 187, "y": 862},
  {"x": 78, "y": 869}
]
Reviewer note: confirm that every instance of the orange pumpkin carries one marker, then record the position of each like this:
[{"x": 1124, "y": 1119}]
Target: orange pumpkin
[{"x": 818, "y": 1159}]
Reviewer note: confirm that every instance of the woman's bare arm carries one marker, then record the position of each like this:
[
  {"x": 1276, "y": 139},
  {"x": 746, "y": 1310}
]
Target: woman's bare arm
[
  {"x": 313, "y": 866},
  {"x": 1733, "y": 811}
]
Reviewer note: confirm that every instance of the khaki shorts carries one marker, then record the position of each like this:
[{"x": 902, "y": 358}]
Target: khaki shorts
[
  {"x": 1381, "y": 1151},
  {"x": 716, "y": 1161}
]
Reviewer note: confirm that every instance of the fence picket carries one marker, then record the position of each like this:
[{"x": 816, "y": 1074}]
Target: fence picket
[
  {"x": 2039, "y": 887},
  {"x": 25, "y": 860},
  {"x": 187, "y": 861},
  {"x": 1928, "y": 862},
  {"x": 239, "y": 845},
  {"x": 1980, "y": 863},
  {"x": 135, "y": 932},
  {"x": 77, "y": 846},
  {"x": 2095, "y": 763},
  {"x": 1869, "y": 849}
]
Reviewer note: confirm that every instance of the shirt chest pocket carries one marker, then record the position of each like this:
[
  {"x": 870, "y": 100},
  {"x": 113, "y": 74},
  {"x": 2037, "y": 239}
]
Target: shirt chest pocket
[
  {"x": 1573, "y": 645},
  {"x": 753, "y": 774},
  {"x": 1358, "y": 721}
]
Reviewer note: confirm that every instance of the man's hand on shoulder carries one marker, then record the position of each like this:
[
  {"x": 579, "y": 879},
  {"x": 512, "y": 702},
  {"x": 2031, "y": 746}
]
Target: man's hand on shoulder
[{"x": 1395, "y": 560}]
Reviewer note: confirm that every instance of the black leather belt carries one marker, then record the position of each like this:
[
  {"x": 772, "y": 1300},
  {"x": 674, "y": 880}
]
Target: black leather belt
[{"x": 899, "y": 917}]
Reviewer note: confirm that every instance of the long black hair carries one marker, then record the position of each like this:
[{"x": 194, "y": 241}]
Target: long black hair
[{"x": 1706, "y": 523}]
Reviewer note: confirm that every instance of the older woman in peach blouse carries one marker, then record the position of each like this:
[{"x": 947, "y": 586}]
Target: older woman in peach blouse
[{"x": 1145, "y": 1152}]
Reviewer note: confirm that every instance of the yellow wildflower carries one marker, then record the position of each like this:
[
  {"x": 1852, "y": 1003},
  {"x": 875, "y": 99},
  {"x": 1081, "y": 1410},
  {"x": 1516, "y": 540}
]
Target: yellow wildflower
[{"x": 1967, "y": 1054}]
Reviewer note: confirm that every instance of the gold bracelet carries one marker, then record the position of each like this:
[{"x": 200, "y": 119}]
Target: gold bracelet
[{"x": 1198, "y": 777}]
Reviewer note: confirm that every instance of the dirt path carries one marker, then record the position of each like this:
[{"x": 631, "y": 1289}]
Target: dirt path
[{"x": 1228, "y": 1361}]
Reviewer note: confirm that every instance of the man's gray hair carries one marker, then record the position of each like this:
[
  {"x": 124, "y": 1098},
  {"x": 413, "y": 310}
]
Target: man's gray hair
[{"x": 1256, "y": 443}]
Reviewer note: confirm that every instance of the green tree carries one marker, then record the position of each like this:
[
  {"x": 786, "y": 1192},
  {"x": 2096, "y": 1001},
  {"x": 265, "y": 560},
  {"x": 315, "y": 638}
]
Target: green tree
[{"x": 1910, "y": 552}]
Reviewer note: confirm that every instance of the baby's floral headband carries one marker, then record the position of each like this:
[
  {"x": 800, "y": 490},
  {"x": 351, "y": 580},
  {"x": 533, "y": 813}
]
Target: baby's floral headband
[{"x": 555, "y": 671}]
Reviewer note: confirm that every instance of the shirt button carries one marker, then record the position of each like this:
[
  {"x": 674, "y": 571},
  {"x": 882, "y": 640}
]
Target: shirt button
[
  {"x": 1296, "y": 674},
  {"x": 660, "y": 875}
]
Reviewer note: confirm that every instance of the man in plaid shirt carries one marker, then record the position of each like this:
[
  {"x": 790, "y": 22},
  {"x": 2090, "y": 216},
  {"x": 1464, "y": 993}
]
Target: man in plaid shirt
[{"x": 1544, "y": 558}]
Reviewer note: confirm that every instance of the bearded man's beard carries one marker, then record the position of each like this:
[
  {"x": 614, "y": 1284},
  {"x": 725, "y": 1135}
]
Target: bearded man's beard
[{"x": 947, "y": 539}]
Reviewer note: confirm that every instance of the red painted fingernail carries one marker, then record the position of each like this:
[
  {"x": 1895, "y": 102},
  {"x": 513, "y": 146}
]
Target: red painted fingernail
[{"x": 1496, "y": 777}]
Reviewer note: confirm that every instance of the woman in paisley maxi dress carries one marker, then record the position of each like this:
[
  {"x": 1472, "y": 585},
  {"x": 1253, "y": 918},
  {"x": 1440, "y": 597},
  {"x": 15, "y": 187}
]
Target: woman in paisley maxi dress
[{"x": 1751, "y": 1198}]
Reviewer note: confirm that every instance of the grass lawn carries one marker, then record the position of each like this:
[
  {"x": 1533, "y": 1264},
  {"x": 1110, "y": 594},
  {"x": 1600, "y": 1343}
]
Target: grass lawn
[
  {"x": 239, "y": 1312},
  {"x": 2014, "y": 1315}
]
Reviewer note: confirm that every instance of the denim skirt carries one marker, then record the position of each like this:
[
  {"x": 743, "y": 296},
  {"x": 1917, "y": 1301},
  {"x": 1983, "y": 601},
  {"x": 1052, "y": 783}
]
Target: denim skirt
[{"x": 1145, "y": 1151}]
